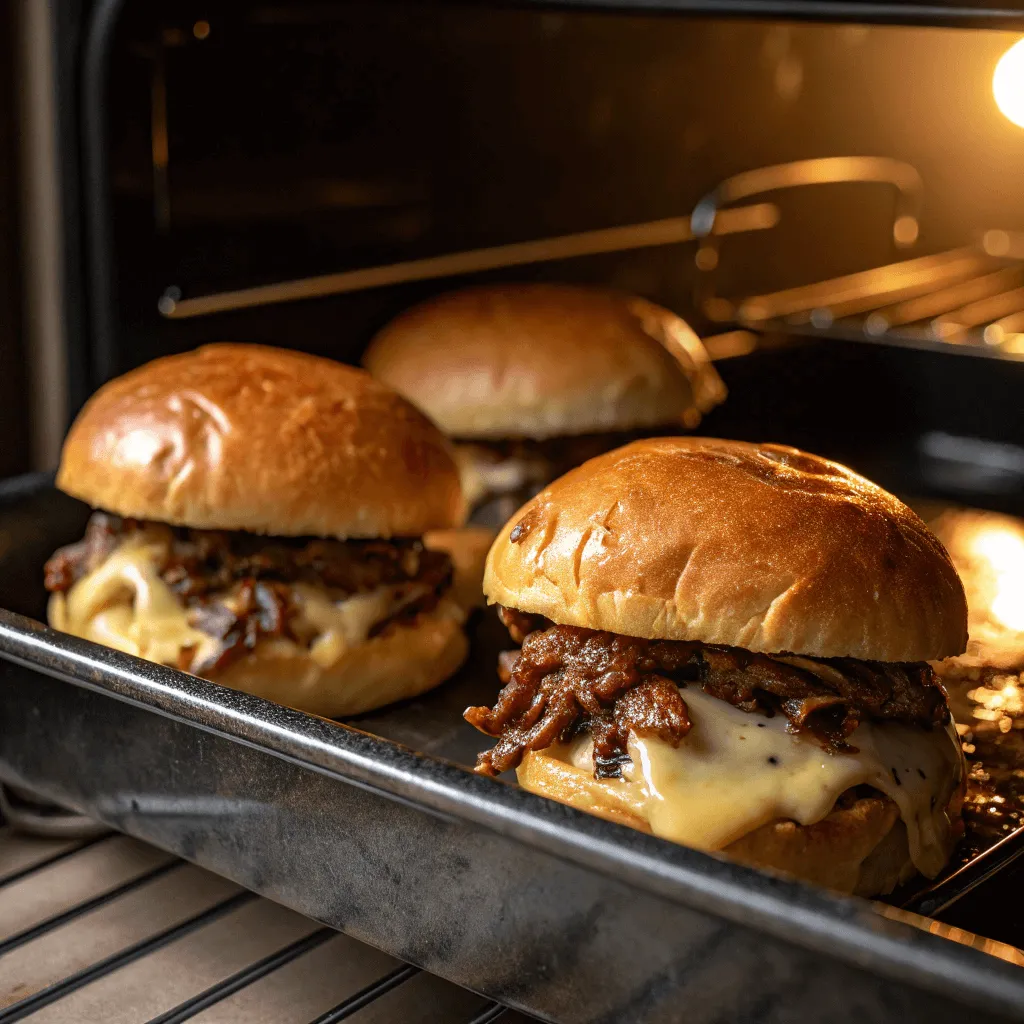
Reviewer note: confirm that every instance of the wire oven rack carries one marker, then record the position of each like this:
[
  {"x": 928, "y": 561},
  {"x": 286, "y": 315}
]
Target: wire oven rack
[
  {"x": 966, "y": 298},
  {"x": 969, "y": 299},
  {"x": 110, "y": 929}
]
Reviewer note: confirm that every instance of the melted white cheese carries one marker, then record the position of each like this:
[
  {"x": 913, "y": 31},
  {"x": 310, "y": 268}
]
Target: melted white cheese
[
  {"x": 123, "y": 603},
  {"x": 736, "y": 771},
  {"x": 340, "y": 625}
]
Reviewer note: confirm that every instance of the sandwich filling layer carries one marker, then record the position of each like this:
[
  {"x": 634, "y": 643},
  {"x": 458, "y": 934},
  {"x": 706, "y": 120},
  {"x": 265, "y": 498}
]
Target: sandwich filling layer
[
  {"x": 710, "y": 743},
  {"x": 507, "y": 473},
  {"x": 199, "y": 599}
]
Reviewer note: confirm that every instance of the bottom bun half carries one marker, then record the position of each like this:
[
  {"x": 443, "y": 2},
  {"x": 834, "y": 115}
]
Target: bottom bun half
[
  {"x": 859, "y": 847},
  {"x": 402, "y": 662}
]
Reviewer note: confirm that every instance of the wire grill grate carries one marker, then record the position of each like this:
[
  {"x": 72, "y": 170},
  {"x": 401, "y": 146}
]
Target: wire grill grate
[
  {"x": 965, "y": 299},
  {"x": 376, "y": 982}
]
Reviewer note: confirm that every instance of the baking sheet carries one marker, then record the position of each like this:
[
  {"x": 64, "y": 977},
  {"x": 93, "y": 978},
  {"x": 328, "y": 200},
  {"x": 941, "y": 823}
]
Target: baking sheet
[{"x": 535, "y": 904}]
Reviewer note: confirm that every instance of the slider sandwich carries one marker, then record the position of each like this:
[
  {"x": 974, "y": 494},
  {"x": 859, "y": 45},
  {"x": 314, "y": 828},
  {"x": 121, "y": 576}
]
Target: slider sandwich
[
  {"x": 530, "y": 380},
  {"x": 259, "y": 521},
  {"x": 726, "y": 644}
]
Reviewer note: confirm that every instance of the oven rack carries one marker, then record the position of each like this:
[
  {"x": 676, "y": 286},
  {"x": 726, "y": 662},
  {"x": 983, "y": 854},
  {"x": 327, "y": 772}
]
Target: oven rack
[
  {"x": 968, "y": 300},
  {"x": 111, "y": 926}
]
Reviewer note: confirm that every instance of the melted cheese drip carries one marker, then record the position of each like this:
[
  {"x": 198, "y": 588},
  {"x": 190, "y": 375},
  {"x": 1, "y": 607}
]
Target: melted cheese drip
[
  {"x": 736, "y": 771},
  {"x": 123, "y": 603},
  {"x": 341, "y": 624}
]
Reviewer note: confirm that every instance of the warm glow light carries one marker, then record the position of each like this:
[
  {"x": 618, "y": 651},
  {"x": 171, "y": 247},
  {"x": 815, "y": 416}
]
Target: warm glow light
[
  {"x": 1004, "y": 550},
  {"x": 1008, "y": 84},
  {"x": 904, "y": 231},
  {"x": 996, "y": 243}
]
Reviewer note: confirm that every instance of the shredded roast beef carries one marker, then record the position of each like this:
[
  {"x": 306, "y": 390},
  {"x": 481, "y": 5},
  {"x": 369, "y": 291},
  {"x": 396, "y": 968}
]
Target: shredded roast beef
[
  {"x": 203, "y": 561},
  {"x": 238, "y": 585},
  {"x": 69, "y": 564},
  {"x": 259, "y": 609},
  {"x": 567, "y": 680}
]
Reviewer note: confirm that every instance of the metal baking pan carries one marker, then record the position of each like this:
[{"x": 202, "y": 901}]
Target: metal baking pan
[{"x": 379, "y": 829}]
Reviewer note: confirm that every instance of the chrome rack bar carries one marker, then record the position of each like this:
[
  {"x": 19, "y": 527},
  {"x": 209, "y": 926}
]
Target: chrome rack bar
[
  {"x": 878, "y": 285},
  {"x": 896, "y": 282},
  {"x": 671, "y": 231},
  {"x": 975, "y": 314},
  {"x": 944, "y": 300}
]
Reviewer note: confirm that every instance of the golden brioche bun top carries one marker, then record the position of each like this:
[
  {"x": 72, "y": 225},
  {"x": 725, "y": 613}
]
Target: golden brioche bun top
[
  {"x": 545, "y": 360},
  {"x": 247, "y": 437},
  {"x": 749, "y": 545}
]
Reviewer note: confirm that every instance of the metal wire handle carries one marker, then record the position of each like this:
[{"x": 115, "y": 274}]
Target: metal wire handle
[{"x": 903, "y": 178}]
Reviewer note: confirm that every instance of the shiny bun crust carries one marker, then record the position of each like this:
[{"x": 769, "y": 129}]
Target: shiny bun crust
[
  {"x": 246, "y": 437},
  {"x": 860, "y": 847},
  {"x": 755, "y": 546},
  {"x": 402, "y": 662},
  {"x": 544, "y": 360}
]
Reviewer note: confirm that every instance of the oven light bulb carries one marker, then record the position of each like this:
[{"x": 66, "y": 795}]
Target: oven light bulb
[{"x": 1008, "y": 84}]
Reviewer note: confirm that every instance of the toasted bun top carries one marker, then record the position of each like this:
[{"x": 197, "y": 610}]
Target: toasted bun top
[
  {"x": 544, "y": 360},
  {"x": 751, "y": 545},
  {"x": 246, "y": 437}
]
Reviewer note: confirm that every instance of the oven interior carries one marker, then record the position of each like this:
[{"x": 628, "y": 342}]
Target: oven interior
[
  {"x": 297, "y": 174},
  {"x": 864, "y": 292}
]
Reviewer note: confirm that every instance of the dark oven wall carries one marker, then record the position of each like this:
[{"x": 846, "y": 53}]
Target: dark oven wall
[
  {"x": 14, "y": 412},
  {"x": 253, "y": 143}
]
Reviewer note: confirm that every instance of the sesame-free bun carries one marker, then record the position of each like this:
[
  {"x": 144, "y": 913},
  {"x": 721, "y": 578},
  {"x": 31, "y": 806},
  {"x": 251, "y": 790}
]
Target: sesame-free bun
[
  {"x": 749, "y": 545},
  {"x": 545, "y": 360},
  {"x": 859, "y": 847},
  {"x": 247, "y": 437}
]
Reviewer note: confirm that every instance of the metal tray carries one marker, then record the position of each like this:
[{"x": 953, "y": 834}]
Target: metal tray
[{"x": 378, "y": 828}]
